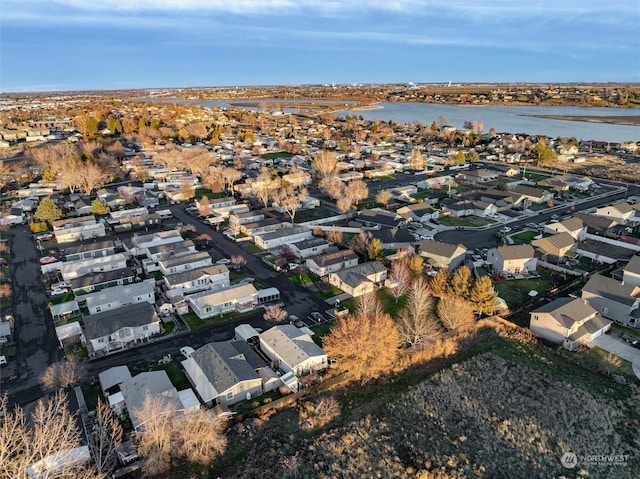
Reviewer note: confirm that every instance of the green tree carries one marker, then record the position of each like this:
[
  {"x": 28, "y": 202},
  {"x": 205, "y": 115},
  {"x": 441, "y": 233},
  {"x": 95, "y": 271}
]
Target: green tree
[
  {"x": 98, "y": 207},
  {"x": 92, "y": 126},
  {"x": 374, "y": 249},
  {"x": 461, "y": 283},
  {"x": 440, "y": 283},
  {"x": 49, "y": 176},
  {"x": 48, "y": 211},
  {"x": 483, "y": 296},
  {"x": 544, "y": 154},
  {"x": 473, "y": 156},
  {"x": 460, "y": 159}
]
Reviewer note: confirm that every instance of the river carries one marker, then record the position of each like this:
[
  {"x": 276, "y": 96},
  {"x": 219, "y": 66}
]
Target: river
[{"x": 503, "y": 119}]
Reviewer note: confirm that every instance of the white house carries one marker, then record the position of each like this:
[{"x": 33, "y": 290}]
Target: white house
[
  {"x": 622, "y": 212},
  {"x": 514, "y": 259},
  {"x": 77, "y": 269},
  {"x": 206, "y": 304},
  {"x": 195, "y": 280},
  {"x": 80, "y": 233},
  {"x": 117, "y": 329},
  {"x": 278, "y": 238},
  {"x": 359, "y": 279},
  {"x": 120, "y": 296},
  {"x": 331, "y": 262},
  {"x": 309, "y": 247},
  {"x": 200, "y": 259},
  {"x": 292, "y": 349}
]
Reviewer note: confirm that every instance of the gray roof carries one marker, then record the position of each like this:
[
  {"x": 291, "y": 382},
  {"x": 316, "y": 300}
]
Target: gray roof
[
  {"x": 86, "y": 246},
  {"x": 310, "y": 243},
  {"x": 186, "y": 259},
  {"x": 134, "y": 315},
  {"x": 567, "y": 311},
  {"x": 611, "y": 289},
  {"x": 520, "y": 251},
  {"x": 633, "y": 266},
  {"x": 383, "y": 218},
  {"x": 113, "y": 376},
  {"x": 366, "y": 269},
  {"x": 62, "y": 308},
  {"x": 589, "y": 327},
  {"x": 440, "y": 248},
  {"x": 192, "y": 274},
  {"x": 284, "y": 232},
  {"x": 557, "y": 241},
  {"x": 178, "y": 245},
  {"x": 393, "y": 235},
  {"x": 333, "y": 258},
  {"x": 226, "y": 363},
  {"x": 153, "y": 383},
  {"x": 291, "y": 344},
  {"x": 5, "y": 329},
  {"x": 529, "y": 191},
  {"x": 120, "y": 293},
  {"x": 596, "y": 223},
  {"x": 102, "y": 277}
]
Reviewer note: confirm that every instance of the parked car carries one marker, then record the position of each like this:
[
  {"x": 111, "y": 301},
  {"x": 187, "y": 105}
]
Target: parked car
[
  {"x": 317, "y": 317},
  {"x": 59, "y": 291},
  {"x": 44, "y": 237},
  {"x": 246, "y": 280},
  {"x": 223, "y": 261},
  {"x": 435, "y": 221},
  {"x": 555, "y": 217},
  {"x": 48, "y": 259},
  {"x": 292, "y": 266},
  {"x": 186, "y": 351},
  {"x": 505, "y": 229}
]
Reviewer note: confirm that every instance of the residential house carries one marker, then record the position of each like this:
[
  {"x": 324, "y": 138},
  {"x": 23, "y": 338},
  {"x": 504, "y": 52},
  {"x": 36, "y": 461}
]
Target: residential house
[
  {"x": 568, "y": 321},
  {"x": 80, "y": 233},
  {"x": 622, "y": 212},
  {"x": 119, "y": 296},
  {"x": 309, "y": 247},
  {"x": 239, "y": 297},
  {"x": 139, "y": 245},
  {"x": 116, "y": 216},
  {"x": 155, "y": 384},
  {"x": 118, "y": 328},
  {"x": 292, "y": 350},
  {"x": 435, "y": 183},
  {"x": 613, "y": 299},
  {"x": 379, "y": 218},
  {"x": 331, "y": 262},
  {"x": 262, "y": 226},
  {"x": 130, "y": 223},
  {"x": 481, "y": 175},
  {"x": 443, "y": 255},
  {"x": 631, "y": 272},
  {"x": 513, "y": 259},
  {"x": 110, "y": 381},
  {"x": 6, "y": 332},
  {"x": 359, "y": 279},
  {"x": 195, "y": 280},
  {"x": 483, "y": 209},
  {"x": 70, "y": 333},
  {"x": 394, "y": 239},
  {"x": 421, "y": 212},
  {"x": 276, "y": 239},
  {"x": 224, "y": 372},
  {"x": 555, "y": 247},
  {"x": 104, "y": 279},
  {"x": 529, "y": 194},
  {"x": 77, "y": 269},
  {"x": 171, "y": 250},
  {"x": 503, "y": 200},
  {"x": 199, "y": 259},
  {"x": 573, "y": 226},
  {"x": 458, "y": 209},
  {"x": 89, "y": 249},
  {"x": 62, "y": 311},
  {"x": 599, "y": 225},
  {"x": 237, "y": 218},
  {"x": 74, "y": 222}
]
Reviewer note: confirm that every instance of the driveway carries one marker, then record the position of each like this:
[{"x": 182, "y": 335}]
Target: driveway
[
  {"x": 620, "y": 348},
  {"x": 37, "y": 346}
]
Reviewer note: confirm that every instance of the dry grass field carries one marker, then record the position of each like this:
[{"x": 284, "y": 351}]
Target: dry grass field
[{"x": 500, "y": 408}]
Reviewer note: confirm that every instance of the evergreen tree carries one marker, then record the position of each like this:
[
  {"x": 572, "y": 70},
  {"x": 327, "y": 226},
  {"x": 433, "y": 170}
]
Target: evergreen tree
[
  {"x": 374, "y": 249},
  {"x": 98, "y": 207},
  {"x": 461, "y": 283},
  {"x": 440, "y": 283},
  {"x": 483, "y": 296},
  {"x": 48, "y": 211}
]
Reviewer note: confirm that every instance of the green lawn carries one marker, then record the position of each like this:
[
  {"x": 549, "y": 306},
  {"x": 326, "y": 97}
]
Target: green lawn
[
  {"x": 168, "y": 328},
  {"x": 525, "y": 237},
  {"x": 195, "y": 323},
  {"x": 76, "y": 349},
  {"x": 388, "y": 302},
  {"x": 68, "y": 320},
  {"x": 320, "y": 331},
  {"x": 91, "y": 394},
  {"x": 177, "y": 377},
  {"x": 466, "y": 221},
  {"x": 236, "y": 275},
  {"x": 200, "y": 192},
  {"x": 304, "y": 279},
  {"x": 601, "y": 355},
  {"x": 8, "y": 350},
  {"x": 626, "y": 329},
  {"x": 329, "y": 293},
  {"x": 534, "y": 176},
  {"x": 276, "y": 154},
  {"x": 61, "y": 299},
  {"x": 516, "y": 291},
  {"x": 252, "y": 248}
]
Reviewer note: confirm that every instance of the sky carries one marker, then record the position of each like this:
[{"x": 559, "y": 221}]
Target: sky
[{"x": 121, "y": 44}]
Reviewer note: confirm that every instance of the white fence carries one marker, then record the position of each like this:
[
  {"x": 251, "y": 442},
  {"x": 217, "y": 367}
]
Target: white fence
[{"x": 611, "y": 241}]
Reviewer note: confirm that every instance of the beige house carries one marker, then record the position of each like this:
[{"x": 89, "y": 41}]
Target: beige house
[
  {"x": 574, "y": 226},
  {"x": 514, "y": 259},
  {"x": 331, "y": 262},
  {"x": 631, "y": 272},
  {"x": 622, "y": 212},
  {"x": 555, "y": 246},
  {"x": 443, "y": 255},
  {"x": 360, "y": 279},
  {"x": 568, "y": 321}
]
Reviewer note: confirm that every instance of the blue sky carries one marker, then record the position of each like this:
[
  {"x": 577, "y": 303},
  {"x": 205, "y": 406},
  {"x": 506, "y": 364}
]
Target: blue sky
[{"x": 118, "y": 44}]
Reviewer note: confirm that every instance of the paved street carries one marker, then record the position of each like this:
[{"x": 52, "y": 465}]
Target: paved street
[{"x": 37, "y": 346}]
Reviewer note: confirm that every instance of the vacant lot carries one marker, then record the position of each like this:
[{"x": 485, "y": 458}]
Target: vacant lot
[{"x": 509, "y": 411}]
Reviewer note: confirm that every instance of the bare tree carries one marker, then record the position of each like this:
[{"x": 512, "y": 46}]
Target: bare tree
[
  {"x": 231, "y": 176},
  {"x": 187, "y": 189},
  {"x": 62, "y": 374},
  {"x": 325, "y": 164},
  {"x": 200, "y": 437},
  {"x": 204, "y": 206},
  {"x": 365, "y": 347},
  {"x": 275, "y": 314},
  {"x": 357, "y": 191},
  {"x": 417, "y": 324},
  {"x": 383, "y": 197},
  {"x": 238, "y": 261},
  {"x": 5, "y": 290},
  {"x": 154, "y": 440},
  {"x": 106, "y": 437},
  {"x": 90, "y": 177},
  {"x": 368, "y": 305},
  {"x": 334, "y": 236},
  {"x": 332, "y": 186},
  {"x": 401, "y": 279},
  {"x": 455, "y": 312},
  {"x": 265, "y": 185},
  {"x": 289, "y": 199},
  {"x": 214, "y": 179},
  {"x": 41, "y": 444},
  {"x": 416, "y": 160}
]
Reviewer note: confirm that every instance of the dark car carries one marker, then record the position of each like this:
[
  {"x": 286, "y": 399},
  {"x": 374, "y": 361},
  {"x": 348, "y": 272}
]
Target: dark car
[
  {"x": 435, "y": 221},
  {"x": 317, "y": 317}
]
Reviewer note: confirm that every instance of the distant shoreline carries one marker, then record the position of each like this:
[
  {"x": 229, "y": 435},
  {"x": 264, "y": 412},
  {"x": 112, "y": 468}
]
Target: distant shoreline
[{"x": 631, "y": 120}]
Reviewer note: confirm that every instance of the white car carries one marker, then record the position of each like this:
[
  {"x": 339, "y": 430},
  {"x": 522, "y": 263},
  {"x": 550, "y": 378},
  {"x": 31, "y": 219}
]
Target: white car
[
  {"x": 186, "y": 351},
  {"x": 223, "y": 261},
  {"x": 505, "y": 229},
  {"x": 59, "y": 291}
]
